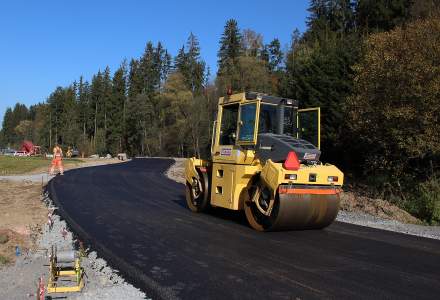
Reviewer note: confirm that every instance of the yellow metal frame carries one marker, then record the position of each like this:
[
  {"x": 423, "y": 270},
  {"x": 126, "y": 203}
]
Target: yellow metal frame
[
  {"x": 273, "y": 174},
  {"x": 319, "y": 122},
  {"x": 56, "y": 273}
]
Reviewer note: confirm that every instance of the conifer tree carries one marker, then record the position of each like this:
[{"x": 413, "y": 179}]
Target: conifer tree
[
  {"x": 134, "y": 79},
  {"x": 190, "y": 65},
  {"x": 70, "y": 131},
  {"x": 106, "y": 102},
  {"x": 382, "y": 15},
  {"x": 96, "y": 106},
  {"x": 116, "y": 110},
  {"x": 83, "y": 95},
  {"x": 228, "y": 54},
  {"x": 181, "y": 61},
  {"x": 8, "y": 127}
]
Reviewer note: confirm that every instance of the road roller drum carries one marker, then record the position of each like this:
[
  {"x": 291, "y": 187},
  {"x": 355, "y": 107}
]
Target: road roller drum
[{"x": 295, "y": 212}]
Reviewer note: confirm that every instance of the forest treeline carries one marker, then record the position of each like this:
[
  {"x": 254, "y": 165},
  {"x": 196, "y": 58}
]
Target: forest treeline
[{"x": 373, "y": 66}]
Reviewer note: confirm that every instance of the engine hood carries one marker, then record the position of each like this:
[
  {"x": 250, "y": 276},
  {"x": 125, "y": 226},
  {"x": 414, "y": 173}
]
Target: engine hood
[{"x": 277, "y": 146}]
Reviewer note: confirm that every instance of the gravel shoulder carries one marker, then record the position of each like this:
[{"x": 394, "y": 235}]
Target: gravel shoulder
[
  {"x": 19, "y": 280},
  {"x": 362, "y": 211}
]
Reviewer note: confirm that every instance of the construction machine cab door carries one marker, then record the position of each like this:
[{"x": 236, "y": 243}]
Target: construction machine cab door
[
  {"x": 224, "y": 156},
  {"x": 247, "y": 124},
  {"x": 226, "y": 130},
  {"x": 309, "y": 125},
  {"x": 237, "y": 128}
]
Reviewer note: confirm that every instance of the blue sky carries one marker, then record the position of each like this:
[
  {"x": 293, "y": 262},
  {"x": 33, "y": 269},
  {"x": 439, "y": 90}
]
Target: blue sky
[{"x": 45, "y": 44}]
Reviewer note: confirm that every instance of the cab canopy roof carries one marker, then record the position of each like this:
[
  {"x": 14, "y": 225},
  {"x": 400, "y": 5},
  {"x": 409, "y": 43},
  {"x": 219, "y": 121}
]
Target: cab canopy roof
[{"x": 250, "y": 96}]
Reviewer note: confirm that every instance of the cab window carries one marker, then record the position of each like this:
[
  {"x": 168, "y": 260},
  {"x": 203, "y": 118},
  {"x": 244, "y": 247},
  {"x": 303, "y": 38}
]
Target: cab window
[
  {"x": 268, "y": 115},
  {"x": 228, "y": 128},
  {"x": 247, "y": 122}
]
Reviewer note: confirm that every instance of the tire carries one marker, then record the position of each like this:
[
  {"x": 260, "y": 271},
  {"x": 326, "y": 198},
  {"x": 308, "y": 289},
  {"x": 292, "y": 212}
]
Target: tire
[
  {"x": 257, "y": 220},
  {"x": 199, "y": 201}
]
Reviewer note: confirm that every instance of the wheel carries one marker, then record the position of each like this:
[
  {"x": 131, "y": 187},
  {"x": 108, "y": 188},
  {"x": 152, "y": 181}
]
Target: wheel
[
  {"x": 260, "y": 213},
  {"x": 197, "y": 193}
]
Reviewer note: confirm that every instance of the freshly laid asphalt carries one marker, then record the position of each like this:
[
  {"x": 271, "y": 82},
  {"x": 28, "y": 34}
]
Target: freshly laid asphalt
[{"x": 138, "y": 221}]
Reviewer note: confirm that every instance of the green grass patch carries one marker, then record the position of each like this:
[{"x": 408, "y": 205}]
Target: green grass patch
[
  {"x": 3, "y": 260},
  {"x": 3, "y": 238},
  {"x": 10, "y": 165}
]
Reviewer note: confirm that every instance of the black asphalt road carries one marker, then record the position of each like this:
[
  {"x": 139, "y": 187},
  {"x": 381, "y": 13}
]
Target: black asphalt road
[{"x": 138, "y": 220}]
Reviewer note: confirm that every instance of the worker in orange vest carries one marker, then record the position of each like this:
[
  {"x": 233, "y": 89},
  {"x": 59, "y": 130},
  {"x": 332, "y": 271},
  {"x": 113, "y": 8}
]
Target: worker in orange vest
[{"x": 57, "y": 160}]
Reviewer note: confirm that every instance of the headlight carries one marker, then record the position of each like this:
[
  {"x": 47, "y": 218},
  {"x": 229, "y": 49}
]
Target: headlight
[
  {"x": 332, "y": 179},
  {"x": 290, "y": 176}
]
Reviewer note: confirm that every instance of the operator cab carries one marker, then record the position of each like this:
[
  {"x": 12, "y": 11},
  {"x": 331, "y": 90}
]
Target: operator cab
[{"x": 270, "y": 126}]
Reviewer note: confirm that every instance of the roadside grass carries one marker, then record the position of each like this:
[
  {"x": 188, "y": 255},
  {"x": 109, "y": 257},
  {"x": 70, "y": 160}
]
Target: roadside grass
[
  {"x": 10, "y": 165},
  {"x": 3, "y": 238},
  {"x": 3, "y": 260}
]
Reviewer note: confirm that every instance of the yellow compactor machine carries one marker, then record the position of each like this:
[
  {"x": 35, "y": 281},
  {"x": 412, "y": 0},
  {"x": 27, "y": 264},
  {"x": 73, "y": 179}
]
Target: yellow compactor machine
[{"x": 265, "y": 161}]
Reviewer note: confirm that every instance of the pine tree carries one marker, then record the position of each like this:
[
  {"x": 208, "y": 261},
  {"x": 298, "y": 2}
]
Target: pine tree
[
  {"x": 134, "y": 79},
  {"x": 106, "y": 102},
  {"x": 341, "y": 16},
  {"x": 84, "y": 112},
  {"x": 228, "y": 54},
  {"x": 116, "y": 109},
  {"x": 96, "y": 106},
  {"x": 149, "y": 69},
  {"x": 190, "y": 65},
  {"x": 382, "y": 15},
  {"x": 70, "y": 131},
  {"x": 8, "y": 127},
  {"x": 317, "y": 22},
  {"x": 41, "y": 128},
  {"x": 196, "y": 65},
  {"x": 181, "y": 62}
]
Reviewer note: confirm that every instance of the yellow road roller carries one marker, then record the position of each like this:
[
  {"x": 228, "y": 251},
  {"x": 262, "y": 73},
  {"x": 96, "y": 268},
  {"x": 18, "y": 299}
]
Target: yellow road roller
[{"x": 265, "y": 160}]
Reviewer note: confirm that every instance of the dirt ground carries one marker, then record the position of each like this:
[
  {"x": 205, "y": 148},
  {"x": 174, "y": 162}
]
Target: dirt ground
[
  {"x": 22, "y": 216},
  {"x": 376, "y": 207}
]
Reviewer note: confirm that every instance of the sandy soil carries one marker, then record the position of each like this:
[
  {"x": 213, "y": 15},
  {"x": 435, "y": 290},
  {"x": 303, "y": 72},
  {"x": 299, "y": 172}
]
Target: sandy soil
[
  {"x": 177, "y": 171},
  {"x": 22, "y": 216},
  {"x": 351, "y": 202}
]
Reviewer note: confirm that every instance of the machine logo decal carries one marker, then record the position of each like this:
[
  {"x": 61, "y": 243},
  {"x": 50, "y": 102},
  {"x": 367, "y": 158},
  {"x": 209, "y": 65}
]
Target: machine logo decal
[
  {"x": 226, "y": 152},
  {"x": 309, "y": 156}
]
